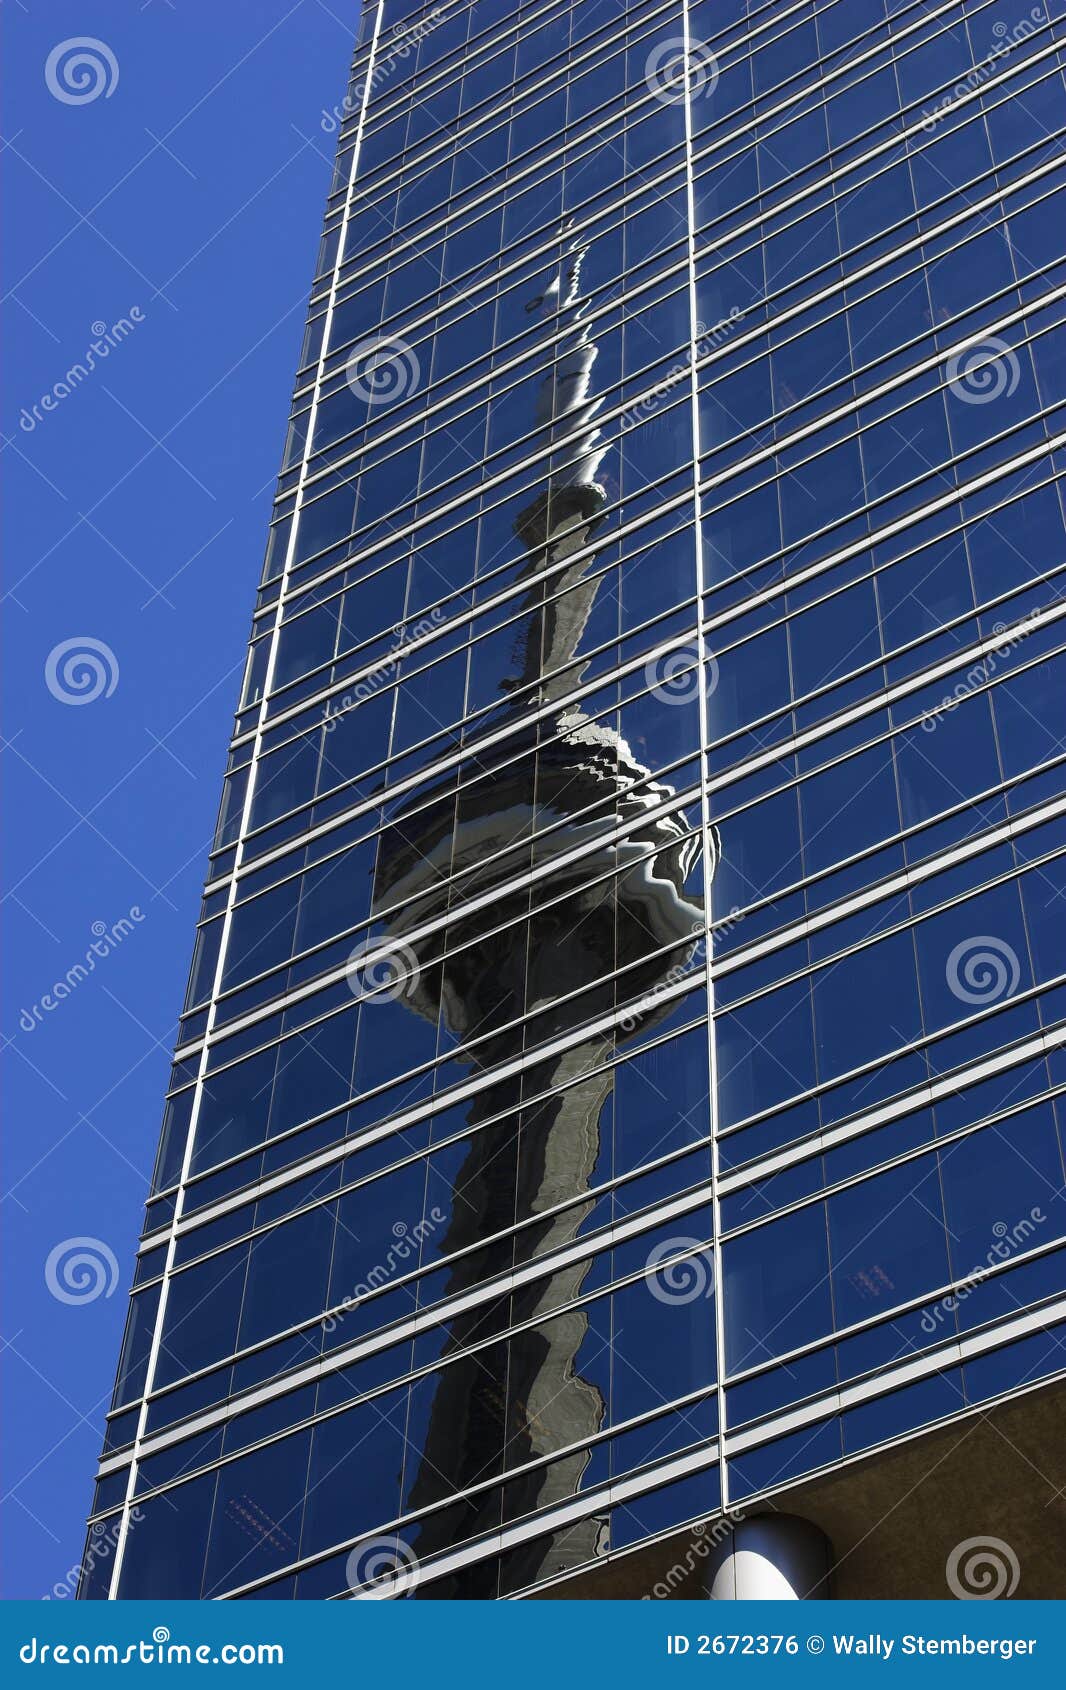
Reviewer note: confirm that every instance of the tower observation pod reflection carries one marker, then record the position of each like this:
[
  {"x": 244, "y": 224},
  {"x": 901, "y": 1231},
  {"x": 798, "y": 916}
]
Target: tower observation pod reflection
[{"x": 614, "y": 1145}]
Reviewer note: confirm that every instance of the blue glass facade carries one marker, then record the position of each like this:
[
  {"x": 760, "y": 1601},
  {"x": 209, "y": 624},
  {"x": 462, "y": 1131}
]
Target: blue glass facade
[{"x": 622, "y": 1062}]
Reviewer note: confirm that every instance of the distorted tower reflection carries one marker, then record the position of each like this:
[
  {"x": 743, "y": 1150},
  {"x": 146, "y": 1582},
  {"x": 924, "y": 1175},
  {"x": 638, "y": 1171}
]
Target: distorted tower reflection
[{"x": 558, "y": 946}]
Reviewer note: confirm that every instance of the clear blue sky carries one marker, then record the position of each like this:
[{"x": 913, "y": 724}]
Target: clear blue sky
[{"x": 137, "y": 506}]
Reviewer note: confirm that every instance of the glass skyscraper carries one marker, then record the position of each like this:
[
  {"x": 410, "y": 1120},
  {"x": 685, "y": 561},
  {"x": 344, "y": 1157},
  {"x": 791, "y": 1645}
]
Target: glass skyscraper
[{"x": 617, "y": 1112}]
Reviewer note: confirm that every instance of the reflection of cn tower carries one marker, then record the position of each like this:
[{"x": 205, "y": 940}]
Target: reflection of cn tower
[{"x": 517, "y": 1400}]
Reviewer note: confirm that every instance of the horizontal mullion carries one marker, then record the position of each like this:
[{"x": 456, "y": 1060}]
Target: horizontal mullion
[
  {"x": 890, "y": 44},
  {"x": 925, "y": 1094},
  {"x": 464, "y": 909},
  {"x": 345, "y": 1356},
  {"x": 734, "y": 342},
  {"x": 852, "y": 406},
  {"x": 912, "y": 519},
  {"x": 424, "y": 1271},
  {"x": 1033, "y": 1049},
  {"x": 754, "y": 225},
  {"x": 711, "y": 483},
  {"x": 878, "y": 701},
  {"x": 390, "y": 1126},
  {"x": 955, "y": 1352}
]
